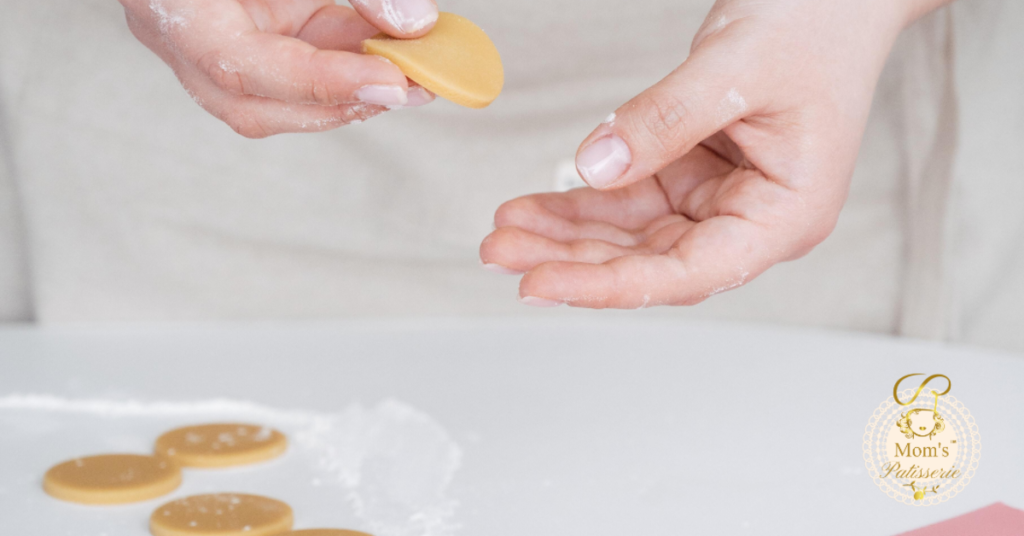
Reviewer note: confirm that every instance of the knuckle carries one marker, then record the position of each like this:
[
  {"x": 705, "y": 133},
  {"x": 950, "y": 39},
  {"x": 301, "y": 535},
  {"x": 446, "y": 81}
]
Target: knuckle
[
  {"x": 665, "y": 119},
  {"x": 221, "y": 71},
  {"x": 320, "y": 93},
  {"x": 318, "y": 89}
]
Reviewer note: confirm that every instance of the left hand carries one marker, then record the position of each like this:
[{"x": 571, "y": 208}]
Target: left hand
[{"x": 738, "y": 160}]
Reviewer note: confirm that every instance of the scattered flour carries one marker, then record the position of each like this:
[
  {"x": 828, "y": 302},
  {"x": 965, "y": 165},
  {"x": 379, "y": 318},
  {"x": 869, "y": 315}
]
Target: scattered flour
[
  {"x": 318, "y": 124},
  {"x": 195, "y": 98},
  {"x": 393, "y": 461},
  {"x": 227, "y": 66},
  {"x": 729, "y": 285},
  {"x": 731, "y": 106},
  {"x": 170, "y": 20},
  {"x": 720, "y": 23}
]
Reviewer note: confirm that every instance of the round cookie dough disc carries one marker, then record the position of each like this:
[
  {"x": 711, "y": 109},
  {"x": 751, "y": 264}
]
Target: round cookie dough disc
[
  {"x": 456, "y": 60},
  {"x": 221, "y": 514},
  {"x": 221, "y": 445},
  {"x": 112, "y": 479},
  {"x": 324, "y": 532}
]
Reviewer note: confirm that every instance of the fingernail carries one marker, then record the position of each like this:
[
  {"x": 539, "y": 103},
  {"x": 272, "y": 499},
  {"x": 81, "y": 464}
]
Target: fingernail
[
  {"x": 409, "y": 16},
  {"x": 382, "y": 95},
  {"x": 538, "y": 302},
  {"x": 419, "y": 96},
  {"x": 499, "y": 269},
  {"x": 604, "y": 161}
]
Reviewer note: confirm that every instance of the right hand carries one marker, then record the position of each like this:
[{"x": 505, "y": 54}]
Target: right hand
[{"x": 267, "y": 67}]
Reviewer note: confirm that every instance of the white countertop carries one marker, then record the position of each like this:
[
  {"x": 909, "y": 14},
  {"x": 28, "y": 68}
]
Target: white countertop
[{"x": 501, "y": 427}]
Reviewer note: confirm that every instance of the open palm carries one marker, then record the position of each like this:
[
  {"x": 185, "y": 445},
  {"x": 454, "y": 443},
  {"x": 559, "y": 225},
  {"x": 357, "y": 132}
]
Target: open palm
[
  {"x": 738, "y": 160},
  {"x": 696, "y": 228}
]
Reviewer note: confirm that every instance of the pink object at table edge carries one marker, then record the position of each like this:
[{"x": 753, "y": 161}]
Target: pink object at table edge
[{"x": 993, "y": 520}]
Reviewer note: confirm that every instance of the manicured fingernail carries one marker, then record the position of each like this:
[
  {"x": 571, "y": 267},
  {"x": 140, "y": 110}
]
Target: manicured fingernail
[
  {"x": 382, "y": 95},
  {"x": 538, "y": 302},
  {"x": 409, "y": 16},
  {"x": 604, "y": 161},
  {"x": 419, "y": 96},
  {"x": 499, "y": 269}
]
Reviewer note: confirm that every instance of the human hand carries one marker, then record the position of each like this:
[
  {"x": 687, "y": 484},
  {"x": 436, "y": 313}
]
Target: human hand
[
  {"x": 738, "y": 160},
  {"x": 266, "y": 67}
]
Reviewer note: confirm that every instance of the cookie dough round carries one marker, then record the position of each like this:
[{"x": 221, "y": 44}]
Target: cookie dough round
[
  {"x": 221, "y": 445},
  {"x": 456, "y": 60},
  {"x": 325, "y": 532},
  {"x": 221, "y": 514},
  {"x": 112, "y": 479}
]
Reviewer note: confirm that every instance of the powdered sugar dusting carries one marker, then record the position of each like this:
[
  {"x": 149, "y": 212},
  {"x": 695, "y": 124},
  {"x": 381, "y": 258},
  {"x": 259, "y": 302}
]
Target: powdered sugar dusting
[
  {"x": 729, "y": 284},
  {"x": 227, "y": 66},
  {"x": 195, "y": 98},
  {"x": 371, "y": 452},
  {"x": 320, "y": 124},
  {"x": 170, "y": 20},
  {"x": 731, "y": 106},
  {"x": 719, "y": 23}
]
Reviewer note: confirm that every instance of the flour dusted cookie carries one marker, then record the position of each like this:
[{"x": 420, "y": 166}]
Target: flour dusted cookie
[
  {"x": 456, "y": 60},
  {"x": 221, "y": 514},
  {"x": 112, "y": 479},
  {"x": 221, "y": 445}
]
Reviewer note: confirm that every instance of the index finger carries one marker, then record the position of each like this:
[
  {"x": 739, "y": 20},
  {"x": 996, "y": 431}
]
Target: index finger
[
  {"x": 225, "y": 44},
  {"x": 287, "y": 69}
]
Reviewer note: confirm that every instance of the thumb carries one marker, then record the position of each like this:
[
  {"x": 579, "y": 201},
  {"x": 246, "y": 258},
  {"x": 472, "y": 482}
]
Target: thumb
[
  {"x": 662, "y": 124},
  {"x": 399, "y": 18}
]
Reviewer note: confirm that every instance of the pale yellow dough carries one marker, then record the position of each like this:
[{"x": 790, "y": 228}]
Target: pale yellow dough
[
  {"x": 221, "y": 514},
  {"x": 221, "y": 445},
  {"x": 112, "y": 479},
  {"x": 456, "y": 60}
]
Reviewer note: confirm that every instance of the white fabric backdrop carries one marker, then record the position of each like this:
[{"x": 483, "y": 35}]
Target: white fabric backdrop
[
  {"x": 986, "y": 255},
  {"x": 15, "y": 303}
]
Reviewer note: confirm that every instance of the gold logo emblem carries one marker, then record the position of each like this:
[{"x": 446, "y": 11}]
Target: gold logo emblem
[{"x": 922, "y": 449}]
